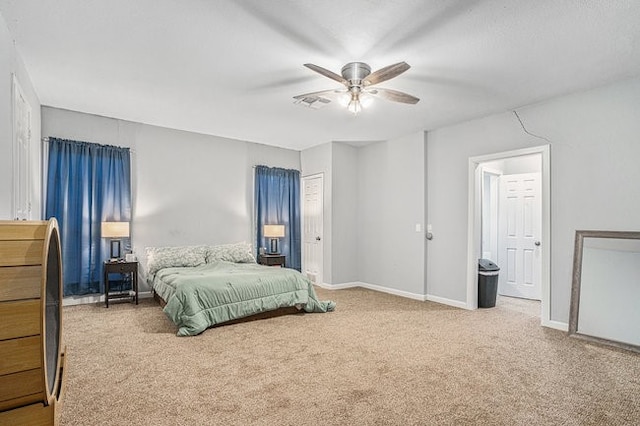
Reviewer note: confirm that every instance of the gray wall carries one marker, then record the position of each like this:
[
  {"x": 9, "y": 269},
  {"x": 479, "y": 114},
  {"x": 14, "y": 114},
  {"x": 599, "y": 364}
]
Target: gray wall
[
  {"x": 448, "y": 152},
  {"x": 187, "y": 188},
  {"x": 373, "y": 199},
  {"x": 345, "y": 213},
  {"x": 391, "y": 202},
  {"x": 594, "y": 178},
  {"x": 11, "y": 63}
]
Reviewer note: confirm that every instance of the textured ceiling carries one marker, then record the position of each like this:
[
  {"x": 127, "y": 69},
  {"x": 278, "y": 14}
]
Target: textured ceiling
[{"x": 230, "y": 68}]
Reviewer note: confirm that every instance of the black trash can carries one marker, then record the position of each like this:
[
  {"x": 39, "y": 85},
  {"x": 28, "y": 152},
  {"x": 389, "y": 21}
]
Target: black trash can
[{"x": 487, "y": 283}]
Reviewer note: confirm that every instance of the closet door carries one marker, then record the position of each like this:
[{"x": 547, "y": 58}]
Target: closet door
[{"x": 21, "y": 154}]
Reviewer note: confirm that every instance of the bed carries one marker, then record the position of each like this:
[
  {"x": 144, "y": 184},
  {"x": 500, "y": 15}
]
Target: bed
[{"x": 203, "y": 286}]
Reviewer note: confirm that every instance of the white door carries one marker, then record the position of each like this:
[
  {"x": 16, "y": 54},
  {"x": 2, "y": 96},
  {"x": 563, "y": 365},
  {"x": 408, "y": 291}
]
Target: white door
[
  {"x": 21, "y": 157},
  {"x": 312, "y": 221},
  {"x": 520, "y": 257}
]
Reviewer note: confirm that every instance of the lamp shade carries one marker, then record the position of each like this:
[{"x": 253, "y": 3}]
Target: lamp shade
[
  {"x": 274, "y": 231},
  {"x": 115, "y": 229}
]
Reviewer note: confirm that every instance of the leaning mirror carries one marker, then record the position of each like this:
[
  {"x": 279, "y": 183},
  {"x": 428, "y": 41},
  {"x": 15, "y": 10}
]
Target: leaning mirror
[{"x": 605, "y": 296}]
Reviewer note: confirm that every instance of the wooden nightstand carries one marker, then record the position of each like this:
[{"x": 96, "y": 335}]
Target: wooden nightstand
[
  {"x": 272, "y": 259},
  {"x": 130, "y": 268}
]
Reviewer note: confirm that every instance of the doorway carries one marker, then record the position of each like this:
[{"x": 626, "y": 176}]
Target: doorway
[
  {"x": 509, "y": 223},
  {"x": 312, "y": 227}
]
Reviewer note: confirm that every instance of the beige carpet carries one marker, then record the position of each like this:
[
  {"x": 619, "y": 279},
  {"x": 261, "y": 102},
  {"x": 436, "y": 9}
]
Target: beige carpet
[{"x": 377, "y": 360}]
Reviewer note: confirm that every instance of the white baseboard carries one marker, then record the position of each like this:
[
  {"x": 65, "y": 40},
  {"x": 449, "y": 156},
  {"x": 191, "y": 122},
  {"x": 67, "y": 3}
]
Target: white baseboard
[
  {"x": 562, "y": 326},
  {"x": 449, "y": 302},
  {"x": 82, "y": 300},
  {"x": 340, "y": 286},
  {"x": 96, "y": 298},
  {"x": 396, "y": 292},
  {"x": 374, "y": 287}
]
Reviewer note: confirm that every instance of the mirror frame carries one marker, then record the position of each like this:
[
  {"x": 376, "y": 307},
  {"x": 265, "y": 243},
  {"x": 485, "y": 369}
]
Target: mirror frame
[{"x": 575, "y": 287}]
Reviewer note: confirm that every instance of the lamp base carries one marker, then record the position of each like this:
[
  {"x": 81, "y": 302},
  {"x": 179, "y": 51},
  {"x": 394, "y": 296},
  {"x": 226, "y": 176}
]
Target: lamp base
[
  {"x": 274, "y": 246},
  {"x": 115, "y": 250}
]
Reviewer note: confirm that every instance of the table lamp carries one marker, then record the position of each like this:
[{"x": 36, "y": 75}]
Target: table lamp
[
  {"x": 274, "y": 232},
  {"x": 115, "y": 231}
]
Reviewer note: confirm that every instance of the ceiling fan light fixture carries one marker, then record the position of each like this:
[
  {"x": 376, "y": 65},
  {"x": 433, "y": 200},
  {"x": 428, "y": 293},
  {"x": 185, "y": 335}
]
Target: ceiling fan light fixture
[
  {"x": 354, "y": 106},
  {"x": 366, "y": 100},
  {"x": 345, "y": 99},
  {"x": 356, "y": 101}
]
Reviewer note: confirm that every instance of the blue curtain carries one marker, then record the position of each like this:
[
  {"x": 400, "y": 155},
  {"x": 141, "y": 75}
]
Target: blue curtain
[
  {"x": 277, "y": 201},
  {"x": 87, "y": 184}
]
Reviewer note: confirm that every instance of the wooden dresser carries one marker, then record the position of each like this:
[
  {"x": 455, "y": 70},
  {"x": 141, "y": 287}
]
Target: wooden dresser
[{"x": 31, "y": 353}]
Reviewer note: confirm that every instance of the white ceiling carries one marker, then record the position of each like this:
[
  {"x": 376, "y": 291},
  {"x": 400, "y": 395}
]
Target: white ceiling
[{"x": 230, "y": 68}]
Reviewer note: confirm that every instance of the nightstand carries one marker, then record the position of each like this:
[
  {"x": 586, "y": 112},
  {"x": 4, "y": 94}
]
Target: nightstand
[
  {"x": 130, "y": 268},
  {"x": 272, "y": 259}
]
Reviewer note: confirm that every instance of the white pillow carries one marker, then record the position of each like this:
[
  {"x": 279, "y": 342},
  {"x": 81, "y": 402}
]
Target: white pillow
[
  {"x": 237, "y": 253},
  {"x": 168, "y": 257}
]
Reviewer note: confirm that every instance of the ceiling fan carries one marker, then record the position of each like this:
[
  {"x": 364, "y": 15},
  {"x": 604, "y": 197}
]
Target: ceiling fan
[{"x": 358, "y": 81}]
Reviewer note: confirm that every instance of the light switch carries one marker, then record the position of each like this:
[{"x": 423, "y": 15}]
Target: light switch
[
  {"x": 429, "y": 229},
  {"x": 418, "y": 227}
]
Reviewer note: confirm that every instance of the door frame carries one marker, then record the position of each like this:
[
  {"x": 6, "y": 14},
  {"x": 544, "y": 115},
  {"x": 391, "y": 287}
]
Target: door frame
[
  {"x": 484, "y": 171},
  {"x": 320, "y": 276},
  {"x": 475, "y": 225}
]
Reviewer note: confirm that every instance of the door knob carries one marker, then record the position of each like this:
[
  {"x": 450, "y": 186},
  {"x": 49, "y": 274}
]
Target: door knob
[
  {"x": 537, "y": 243},
  {"x": 318, "y": 238}
]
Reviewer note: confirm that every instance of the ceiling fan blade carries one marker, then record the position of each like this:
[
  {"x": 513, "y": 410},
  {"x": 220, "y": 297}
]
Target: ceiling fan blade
[
  {"x": 386, "y": 73},
  {"x": 394, "y": 95},
  {"x": 332, "y": 75},
  {"x": 330, "y": 93}
]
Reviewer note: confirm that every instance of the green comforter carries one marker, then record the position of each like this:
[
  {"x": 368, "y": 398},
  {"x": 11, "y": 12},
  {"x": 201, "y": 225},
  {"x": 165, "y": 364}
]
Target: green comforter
[{"x": 200, "y": 297}]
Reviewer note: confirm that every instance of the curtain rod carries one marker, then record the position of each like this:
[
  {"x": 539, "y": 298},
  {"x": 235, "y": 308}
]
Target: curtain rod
[
  {"x": 273, "y": 167},
  {"x": 46, "y": 140}
]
